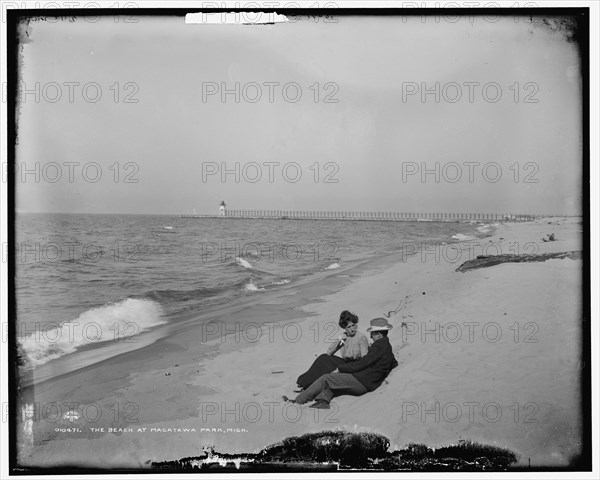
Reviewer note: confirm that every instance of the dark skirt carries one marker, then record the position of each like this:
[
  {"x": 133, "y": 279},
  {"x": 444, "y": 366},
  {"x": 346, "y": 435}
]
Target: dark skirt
[{"x": 323, "y": 364}]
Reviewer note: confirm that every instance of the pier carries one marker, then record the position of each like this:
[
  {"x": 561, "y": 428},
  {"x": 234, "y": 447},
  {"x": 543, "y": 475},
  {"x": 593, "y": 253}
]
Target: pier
[{"x": 372, "y": 216}]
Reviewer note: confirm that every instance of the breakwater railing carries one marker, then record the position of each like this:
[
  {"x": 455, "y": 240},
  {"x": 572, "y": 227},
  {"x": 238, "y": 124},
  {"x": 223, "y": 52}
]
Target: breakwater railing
[{"x": 374, "y": 216}]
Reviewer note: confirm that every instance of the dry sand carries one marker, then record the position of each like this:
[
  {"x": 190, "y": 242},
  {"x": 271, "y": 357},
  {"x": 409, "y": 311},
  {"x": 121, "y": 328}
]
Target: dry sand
[{"x": 491, "y": 355}]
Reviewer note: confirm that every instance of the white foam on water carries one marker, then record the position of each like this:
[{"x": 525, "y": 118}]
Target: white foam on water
[
  {"x": 281, "y": 282},
  {"x": 115, "y": 321},
  {"x": 463, "y": 238},
  {"x": 250, "y": 287},
  {"x": 333, "y": 266},
  {"x": 243, "y": 263}
]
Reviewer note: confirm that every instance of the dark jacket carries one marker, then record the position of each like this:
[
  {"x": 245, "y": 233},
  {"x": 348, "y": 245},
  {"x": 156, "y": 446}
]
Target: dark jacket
[{"x": 372, "y": 369}]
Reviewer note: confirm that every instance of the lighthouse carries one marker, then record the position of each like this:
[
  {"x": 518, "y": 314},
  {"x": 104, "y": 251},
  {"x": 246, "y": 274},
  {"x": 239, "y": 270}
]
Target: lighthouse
[{"x": 222, "y": 208}]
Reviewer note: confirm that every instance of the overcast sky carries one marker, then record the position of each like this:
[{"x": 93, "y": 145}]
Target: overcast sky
[{"x": 161, "y": 119}]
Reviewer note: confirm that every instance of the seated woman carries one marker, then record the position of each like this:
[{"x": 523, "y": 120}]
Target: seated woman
[{"x": 352, "y": 345}]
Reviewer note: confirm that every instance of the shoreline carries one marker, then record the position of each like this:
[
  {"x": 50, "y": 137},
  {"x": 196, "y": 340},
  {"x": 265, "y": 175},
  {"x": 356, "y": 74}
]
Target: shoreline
[
  {"x": 88, "y": 355},
  {"x": 331, "y": 280},
  {"x": 411, "y": 288}
]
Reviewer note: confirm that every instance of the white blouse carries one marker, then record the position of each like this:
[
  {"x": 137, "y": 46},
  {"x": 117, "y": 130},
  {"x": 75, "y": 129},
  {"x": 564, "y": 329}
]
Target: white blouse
[{"x": 353, "y": 347}]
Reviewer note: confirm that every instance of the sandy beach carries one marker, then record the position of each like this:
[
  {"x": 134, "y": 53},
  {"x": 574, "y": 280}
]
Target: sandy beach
[{"x": 491, "y": 355}]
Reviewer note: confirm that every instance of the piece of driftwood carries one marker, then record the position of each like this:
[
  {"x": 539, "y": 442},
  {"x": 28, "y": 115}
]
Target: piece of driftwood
[{"x": 489, "y": 260}]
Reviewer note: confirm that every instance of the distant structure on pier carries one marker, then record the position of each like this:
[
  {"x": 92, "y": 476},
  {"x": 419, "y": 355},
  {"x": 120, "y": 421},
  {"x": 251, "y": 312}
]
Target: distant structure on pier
[{"x": 371, "y": 216}]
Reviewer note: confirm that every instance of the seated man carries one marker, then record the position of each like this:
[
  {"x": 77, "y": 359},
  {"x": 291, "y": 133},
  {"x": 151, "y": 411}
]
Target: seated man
[{"x": 358, "y": 377}]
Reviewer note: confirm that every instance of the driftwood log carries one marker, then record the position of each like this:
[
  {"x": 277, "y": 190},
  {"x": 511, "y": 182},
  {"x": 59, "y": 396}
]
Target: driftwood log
[{"x": 489, "y": 260}]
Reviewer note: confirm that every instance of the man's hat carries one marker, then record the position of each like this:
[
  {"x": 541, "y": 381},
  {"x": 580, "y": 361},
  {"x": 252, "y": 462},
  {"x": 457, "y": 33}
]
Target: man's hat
[{"x": 379, "y": 324}]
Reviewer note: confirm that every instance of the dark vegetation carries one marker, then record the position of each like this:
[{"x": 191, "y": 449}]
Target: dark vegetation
[{"x": 327, "y": 451}]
